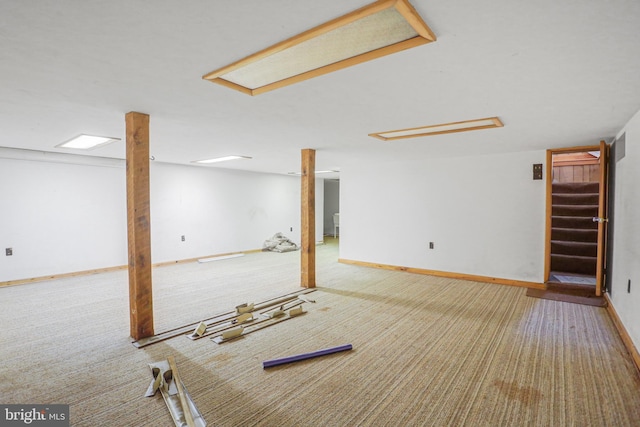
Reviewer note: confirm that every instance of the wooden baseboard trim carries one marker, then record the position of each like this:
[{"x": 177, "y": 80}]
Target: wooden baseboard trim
[
  {"x": 626, "y": 338},
  {"x": 108, "y": 269},
  {"x": 450, "y": 275},
  {"x": 61, "y": 276}
]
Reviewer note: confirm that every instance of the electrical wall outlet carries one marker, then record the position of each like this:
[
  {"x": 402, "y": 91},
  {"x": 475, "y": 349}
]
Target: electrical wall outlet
[
  {"x": 182, "y": 238},
  {"x": 8, "y": 251},
  {"x": 431, "y": 245}
]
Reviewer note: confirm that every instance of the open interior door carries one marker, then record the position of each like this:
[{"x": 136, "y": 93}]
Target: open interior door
[{"x": 602, "y": 218}]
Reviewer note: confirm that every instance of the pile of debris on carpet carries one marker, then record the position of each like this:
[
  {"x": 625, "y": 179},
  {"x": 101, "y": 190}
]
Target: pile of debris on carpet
[{"x": 279, "y": 243}]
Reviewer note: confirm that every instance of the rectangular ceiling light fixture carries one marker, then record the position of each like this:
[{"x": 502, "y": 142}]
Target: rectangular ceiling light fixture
[
  {"x": 316, "y": 172},
  {"x": 489, "y": 122},
  {"x": 221, "y": 159},
  {"x": 376, "y": 30},
  {"x": 87, "y": 142}
]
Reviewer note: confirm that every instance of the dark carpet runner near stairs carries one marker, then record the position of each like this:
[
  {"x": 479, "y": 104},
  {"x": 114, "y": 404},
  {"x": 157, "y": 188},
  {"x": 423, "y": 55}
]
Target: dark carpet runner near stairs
[
  {"x": 574, "y": 234},
  {"x": 577, "y": 294}
]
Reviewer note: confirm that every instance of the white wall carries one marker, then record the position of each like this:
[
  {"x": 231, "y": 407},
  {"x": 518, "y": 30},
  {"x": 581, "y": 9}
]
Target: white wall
[
  {"x": 218, "y": 210},
  {"x": 61, "y": 217},
  {"x": 485, "y": 215},
  {"x": 626, "y": 247}
]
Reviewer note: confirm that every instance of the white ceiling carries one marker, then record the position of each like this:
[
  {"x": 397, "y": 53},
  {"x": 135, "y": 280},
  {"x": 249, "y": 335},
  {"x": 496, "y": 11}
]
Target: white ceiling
[{"x": 557, "y": 73}]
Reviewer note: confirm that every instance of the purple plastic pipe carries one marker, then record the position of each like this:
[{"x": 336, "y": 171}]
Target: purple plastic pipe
[{"x": 275, "y": 362}]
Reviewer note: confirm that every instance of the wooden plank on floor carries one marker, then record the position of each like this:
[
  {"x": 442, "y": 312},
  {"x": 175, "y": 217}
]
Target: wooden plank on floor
[{"x": 217, "y": 319}]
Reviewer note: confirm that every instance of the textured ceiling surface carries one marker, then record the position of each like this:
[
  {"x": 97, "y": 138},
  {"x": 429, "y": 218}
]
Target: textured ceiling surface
[{"x": 556, "y": 73}]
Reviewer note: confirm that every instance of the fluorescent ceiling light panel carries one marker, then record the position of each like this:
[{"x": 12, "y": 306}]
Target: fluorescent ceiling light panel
[
  {"x": 87, "y": 142},
  {"x": 489, "y": 122},
  {"x": 379, "y": 29},
  {"x": 316, "y": 172},
  {"x": 221, "y": 159}
]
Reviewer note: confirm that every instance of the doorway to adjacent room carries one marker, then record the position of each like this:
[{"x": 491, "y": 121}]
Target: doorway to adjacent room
[{"x": 576, "y": 219}]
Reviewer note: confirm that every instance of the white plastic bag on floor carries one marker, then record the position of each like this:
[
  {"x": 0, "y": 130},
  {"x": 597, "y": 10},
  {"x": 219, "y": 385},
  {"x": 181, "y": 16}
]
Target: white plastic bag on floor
[{"x": 279, "y": 243}]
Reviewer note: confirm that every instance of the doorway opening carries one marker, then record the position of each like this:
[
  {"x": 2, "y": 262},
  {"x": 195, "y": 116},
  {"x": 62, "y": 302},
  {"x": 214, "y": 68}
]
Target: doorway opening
[
  {"x": 575, "y": 198},
  {"x": 331, "y": 210},
  {"x": 576, "y": 231}
]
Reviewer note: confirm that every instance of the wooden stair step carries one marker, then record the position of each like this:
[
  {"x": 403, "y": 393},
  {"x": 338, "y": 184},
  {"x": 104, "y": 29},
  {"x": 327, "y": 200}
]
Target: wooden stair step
[
  {"x": 575, "y": 199},
  {"x": 574, "y": 235},
  {"x": 576, "y": 187},
  {"x": 574, "y": 264},
  {"x": 581, "y": 222},
  {"x": 574, "y": 210},
  {"x": 572, "y": 288},
  {"x": 562, "y": 247}
]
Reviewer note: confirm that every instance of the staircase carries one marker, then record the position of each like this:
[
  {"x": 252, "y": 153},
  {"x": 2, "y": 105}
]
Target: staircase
[{"x": 574, "y": 235}]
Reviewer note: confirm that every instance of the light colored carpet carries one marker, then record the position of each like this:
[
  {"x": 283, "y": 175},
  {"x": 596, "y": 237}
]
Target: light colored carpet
[{"x": 426, "y": 351}]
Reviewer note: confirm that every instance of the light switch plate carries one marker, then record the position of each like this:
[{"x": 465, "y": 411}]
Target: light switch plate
[{"x": 537, "y": 171}]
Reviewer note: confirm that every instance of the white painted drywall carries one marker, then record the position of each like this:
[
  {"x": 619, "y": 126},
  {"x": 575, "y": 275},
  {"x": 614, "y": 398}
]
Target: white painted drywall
[
  {"x": 218, "y": 210},
  {"x": 64, "y": 214},
  {"x": 626, "y": 247},
  {"x": 61, "y": 217},
  {"x": 485, "y": 214}
]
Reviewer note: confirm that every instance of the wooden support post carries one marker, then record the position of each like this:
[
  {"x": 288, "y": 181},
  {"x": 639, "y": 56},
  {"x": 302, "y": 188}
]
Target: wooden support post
[
  {"x": 308, "y": 226},
  {"x": 139, "y": 226}
]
